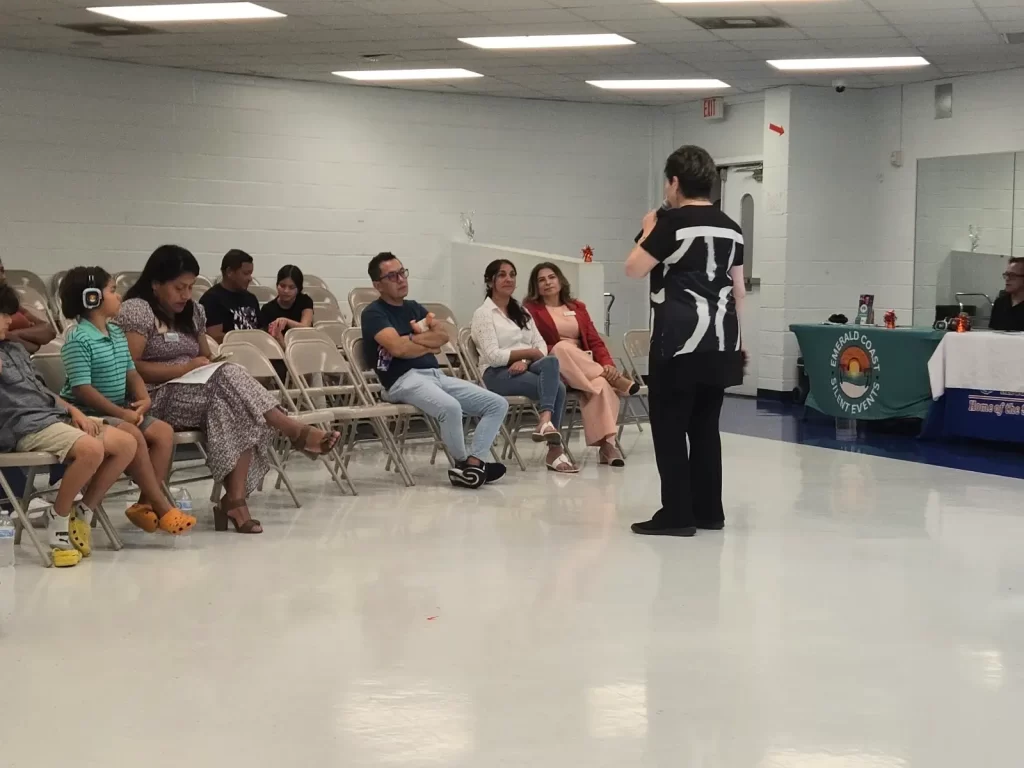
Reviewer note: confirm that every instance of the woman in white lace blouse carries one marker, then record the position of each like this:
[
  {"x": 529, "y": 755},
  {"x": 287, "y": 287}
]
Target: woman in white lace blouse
[{"x": 515, "y": 360}]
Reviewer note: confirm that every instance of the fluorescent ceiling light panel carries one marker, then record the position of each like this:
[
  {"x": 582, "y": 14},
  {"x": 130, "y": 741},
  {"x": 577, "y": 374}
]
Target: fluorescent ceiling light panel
[
  {"x": 832, "y": 65},
  {"x": 658, "y": 85},
  {"x": 388, "y": 75},
  {"x": 154, "y": 14},
  {"x": 521, "y": 42}
]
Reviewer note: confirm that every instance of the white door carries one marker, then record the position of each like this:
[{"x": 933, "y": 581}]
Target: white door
[{"x": 741, "y": 197}]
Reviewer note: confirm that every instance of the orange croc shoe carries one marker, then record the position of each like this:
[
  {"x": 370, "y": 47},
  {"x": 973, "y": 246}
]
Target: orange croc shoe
[
  {"x": 142, "y": 516},
  {"x": 176, "y": 522}
]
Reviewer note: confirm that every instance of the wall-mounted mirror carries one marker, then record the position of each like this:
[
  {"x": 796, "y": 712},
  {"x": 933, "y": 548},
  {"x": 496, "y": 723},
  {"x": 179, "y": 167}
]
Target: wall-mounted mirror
[{"x": 970, "y": 219}]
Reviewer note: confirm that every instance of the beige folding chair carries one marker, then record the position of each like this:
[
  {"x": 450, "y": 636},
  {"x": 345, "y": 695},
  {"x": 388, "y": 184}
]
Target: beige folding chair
[
  {"x": 213, "y": 345},
  {"x": 345, "y": 397},
  {"x": 198, "y": 291},
  {"x": 55, "y": 282},
  {"x": 360, "y": 297},
  {"x": 637, "y": 346},
  {"x": 36, "y": 303},
  {"x": 305, "y": 334},
  {"x": 24, "y": 277},
  {"x": 262, "y": 340},
  {"x": 50, "y": 366},
  {"x": 261, "y": 368},
  {"x": 204, "y": 281},
  {"x": 263, "y": 293},
  {"x": 312, "y": 281},
  {"x": 333, "y": 330},
  {"x": 441, "y": 312},
  {"x": 51, "y": 347},
  {"x": 31, "y": 463},
  {"x": 517, "y": 404},
  {"x": 123, "y": 281},
  {"x": 324, "y": 313},
  {"x": 626, "y": 413},
  {"x": 357, "y": 312}
]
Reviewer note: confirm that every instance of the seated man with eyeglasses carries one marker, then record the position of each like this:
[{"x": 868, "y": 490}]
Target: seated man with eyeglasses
[
  {"x": 401, "y": 340},
  {"x": 1008, "y": 309}
]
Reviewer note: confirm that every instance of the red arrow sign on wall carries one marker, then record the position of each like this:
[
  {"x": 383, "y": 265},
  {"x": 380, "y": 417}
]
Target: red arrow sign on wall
[{"x": 777, "y": 128}]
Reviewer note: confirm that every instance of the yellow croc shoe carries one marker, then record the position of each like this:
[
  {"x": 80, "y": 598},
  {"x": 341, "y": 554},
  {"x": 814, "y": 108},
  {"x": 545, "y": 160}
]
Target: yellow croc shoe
[
  {"x": 80, "y": 529},
  {"x": 66, "y": 558}
]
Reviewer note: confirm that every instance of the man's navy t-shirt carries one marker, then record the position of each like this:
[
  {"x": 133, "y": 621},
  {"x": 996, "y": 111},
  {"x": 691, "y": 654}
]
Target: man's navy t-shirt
[{"x": 380, "y": 315}]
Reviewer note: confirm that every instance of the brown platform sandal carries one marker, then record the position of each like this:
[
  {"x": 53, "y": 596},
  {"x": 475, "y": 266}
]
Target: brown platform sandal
[
  {"x": 176, "y": 522},
  {"x": 221, "y": 517},
  {"x": 326, "y": 445}
]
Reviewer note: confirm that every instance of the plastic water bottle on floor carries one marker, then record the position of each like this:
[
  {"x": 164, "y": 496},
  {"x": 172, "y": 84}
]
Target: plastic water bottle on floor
[
  {"x": 6, "y": 541},
  {"x": 183, "y": 500}
]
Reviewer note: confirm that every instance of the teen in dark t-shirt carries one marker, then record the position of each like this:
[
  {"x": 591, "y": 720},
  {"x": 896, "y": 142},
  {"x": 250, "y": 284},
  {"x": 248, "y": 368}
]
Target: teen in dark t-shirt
[
  {"x": 291, "y": 309},
  {"x": 229, "y": 305}
]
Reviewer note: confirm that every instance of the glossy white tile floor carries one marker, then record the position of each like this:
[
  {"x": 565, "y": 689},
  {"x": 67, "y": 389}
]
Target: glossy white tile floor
[{"x": 857, "y": 613}]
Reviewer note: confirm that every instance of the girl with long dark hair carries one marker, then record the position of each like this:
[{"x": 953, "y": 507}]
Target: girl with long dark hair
[
  {"x": 515, "y": 361},
  {"x": 291, "y": 309},
  {"x": 165, "y": 331}
]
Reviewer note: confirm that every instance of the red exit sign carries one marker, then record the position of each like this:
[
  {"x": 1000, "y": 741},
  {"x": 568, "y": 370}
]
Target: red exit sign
[{"x": 714, "y": 108}]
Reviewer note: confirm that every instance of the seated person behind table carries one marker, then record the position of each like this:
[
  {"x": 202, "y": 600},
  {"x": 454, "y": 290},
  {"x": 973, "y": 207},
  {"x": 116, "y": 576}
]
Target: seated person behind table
[
  {"x": 34, "y": 419},
  {"x": 291, "y": 309},
  {"x": 27, "y": 329},
  {"x": 515, "y": 360},
  {"x": 400, "y": 340},
  {"x": 229, "y": 305},
  {"x": 100, "y": 377},
  {"x": 1008, "y": 309}
]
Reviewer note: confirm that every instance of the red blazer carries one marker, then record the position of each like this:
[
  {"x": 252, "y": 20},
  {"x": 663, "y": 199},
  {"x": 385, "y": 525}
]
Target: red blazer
[{"x": 590, "y": 340}]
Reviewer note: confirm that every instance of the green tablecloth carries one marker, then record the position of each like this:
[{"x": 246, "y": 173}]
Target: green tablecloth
[{"x": 863, "y": 372}]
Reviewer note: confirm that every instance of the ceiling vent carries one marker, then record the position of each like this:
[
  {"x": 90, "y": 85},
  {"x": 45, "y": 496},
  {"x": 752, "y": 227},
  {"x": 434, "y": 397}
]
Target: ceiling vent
[
  {"x": 378, "y": 57},
  {"x": 738, "y": 22},
  {"x": 111, "y": 29},
  {"x": 1014, "y": 38}
]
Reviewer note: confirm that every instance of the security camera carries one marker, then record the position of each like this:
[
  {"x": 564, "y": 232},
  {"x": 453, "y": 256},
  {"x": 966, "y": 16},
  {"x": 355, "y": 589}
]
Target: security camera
[{"x": 839, "y": 85}]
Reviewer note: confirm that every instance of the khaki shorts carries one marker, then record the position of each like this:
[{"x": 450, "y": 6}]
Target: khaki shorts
[{"x": 57, "y": 438}]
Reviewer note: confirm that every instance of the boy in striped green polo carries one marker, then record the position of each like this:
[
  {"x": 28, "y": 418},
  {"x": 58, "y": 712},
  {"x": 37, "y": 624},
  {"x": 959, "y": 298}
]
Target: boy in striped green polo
[{"x": 102, "y": 380}]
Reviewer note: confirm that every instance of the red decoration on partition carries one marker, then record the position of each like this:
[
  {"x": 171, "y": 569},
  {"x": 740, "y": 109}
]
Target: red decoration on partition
[{"x": 588, "y": 254}]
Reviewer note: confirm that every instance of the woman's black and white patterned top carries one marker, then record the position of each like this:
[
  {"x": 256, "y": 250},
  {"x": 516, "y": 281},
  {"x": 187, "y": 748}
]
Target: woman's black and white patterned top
[{"x": 691, "y": 290}]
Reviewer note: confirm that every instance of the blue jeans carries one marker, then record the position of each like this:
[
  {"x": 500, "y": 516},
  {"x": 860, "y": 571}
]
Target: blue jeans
[
  {"x": 540, "y": 382},
  {"x": 445, "y": 399}
]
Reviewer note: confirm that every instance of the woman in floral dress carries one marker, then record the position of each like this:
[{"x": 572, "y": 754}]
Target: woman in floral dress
[{"x": 165, "y": 331}]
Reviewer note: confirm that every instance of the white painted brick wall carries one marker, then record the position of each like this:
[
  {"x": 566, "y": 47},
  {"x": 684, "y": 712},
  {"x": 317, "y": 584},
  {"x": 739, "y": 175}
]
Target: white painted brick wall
[{"x": 102, "y": 162}]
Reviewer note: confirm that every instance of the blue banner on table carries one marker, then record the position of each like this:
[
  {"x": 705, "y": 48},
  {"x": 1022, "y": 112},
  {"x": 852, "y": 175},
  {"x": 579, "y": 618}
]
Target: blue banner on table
[
  {"x": 864, "y": 372},
  {"x": 978, "y": 414}
]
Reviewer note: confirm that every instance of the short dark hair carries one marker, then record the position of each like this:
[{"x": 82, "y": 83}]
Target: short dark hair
[
  {"x": 73, "y": 286},
  {"x": 290, "y": 272},
  {"x": 166, "y": 264},
  {"x": 234, "y": 259},
  {"x": 373, "y": 268},
  {"x": 1015, "y": 260},
  {"x": 695, "y": 169},
  {"x": 10, "y": 301}
]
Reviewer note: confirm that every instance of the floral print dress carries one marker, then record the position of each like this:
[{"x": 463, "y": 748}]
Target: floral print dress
[{"x": 229, "y": 409}]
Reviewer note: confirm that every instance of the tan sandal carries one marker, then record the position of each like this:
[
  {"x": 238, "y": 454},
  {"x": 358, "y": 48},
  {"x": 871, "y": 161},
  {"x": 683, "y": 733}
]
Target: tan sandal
[
  {"x": 221, "y": 517},
  {"x": 326, "y": 445},
  {"x": 176, "y": 522},
  {"x": 625, "y": 385},
  {"x": 142, "y": 516},
  {"x": 611, "y": 455}
]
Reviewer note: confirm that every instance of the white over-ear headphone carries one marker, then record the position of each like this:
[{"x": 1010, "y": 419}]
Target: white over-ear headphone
[{"x": 92, "y": 297}]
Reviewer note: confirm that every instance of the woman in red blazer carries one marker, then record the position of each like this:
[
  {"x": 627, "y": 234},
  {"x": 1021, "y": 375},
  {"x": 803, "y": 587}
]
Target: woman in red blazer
[{"x": 583, "y": 358}]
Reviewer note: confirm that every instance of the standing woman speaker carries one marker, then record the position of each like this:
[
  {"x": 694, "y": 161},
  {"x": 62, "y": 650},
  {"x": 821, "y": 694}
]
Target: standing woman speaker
[{"x": 694, "y": 255}]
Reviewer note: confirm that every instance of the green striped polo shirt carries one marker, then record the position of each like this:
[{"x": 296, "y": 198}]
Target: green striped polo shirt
[{"x": 97, "y": 359}]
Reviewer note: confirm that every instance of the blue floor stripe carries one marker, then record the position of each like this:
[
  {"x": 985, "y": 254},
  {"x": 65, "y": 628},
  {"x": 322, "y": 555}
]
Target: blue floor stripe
[{"x": 890, "y": 440}]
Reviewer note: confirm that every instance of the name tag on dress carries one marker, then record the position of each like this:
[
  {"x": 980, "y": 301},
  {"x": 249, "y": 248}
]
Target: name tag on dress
[
  {"x": 172, "y": 337},
  {"x": 569, "y": 313}
]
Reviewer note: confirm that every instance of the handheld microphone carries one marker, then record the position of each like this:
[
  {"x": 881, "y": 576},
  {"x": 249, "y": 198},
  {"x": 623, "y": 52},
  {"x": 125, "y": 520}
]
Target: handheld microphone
[{"x": 664, "y": 207}]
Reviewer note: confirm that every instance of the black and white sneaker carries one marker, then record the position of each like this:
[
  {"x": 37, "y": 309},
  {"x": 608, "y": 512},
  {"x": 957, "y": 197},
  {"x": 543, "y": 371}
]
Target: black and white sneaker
[
  {"x": 493, "y": 471},
  {"x": 466, "y": 475}
]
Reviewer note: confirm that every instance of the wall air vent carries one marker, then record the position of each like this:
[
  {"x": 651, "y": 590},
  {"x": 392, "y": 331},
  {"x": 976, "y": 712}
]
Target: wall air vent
[
  {"x": 112, "y": 29},
  {"x": 738, "y": 22}
]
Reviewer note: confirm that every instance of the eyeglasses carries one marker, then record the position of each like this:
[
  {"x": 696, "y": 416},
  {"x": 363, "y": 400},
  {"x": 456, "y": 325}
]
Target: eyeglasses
[
  {"x": 394, "y": 277},
  {"x": 1012, "y": 276}
]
